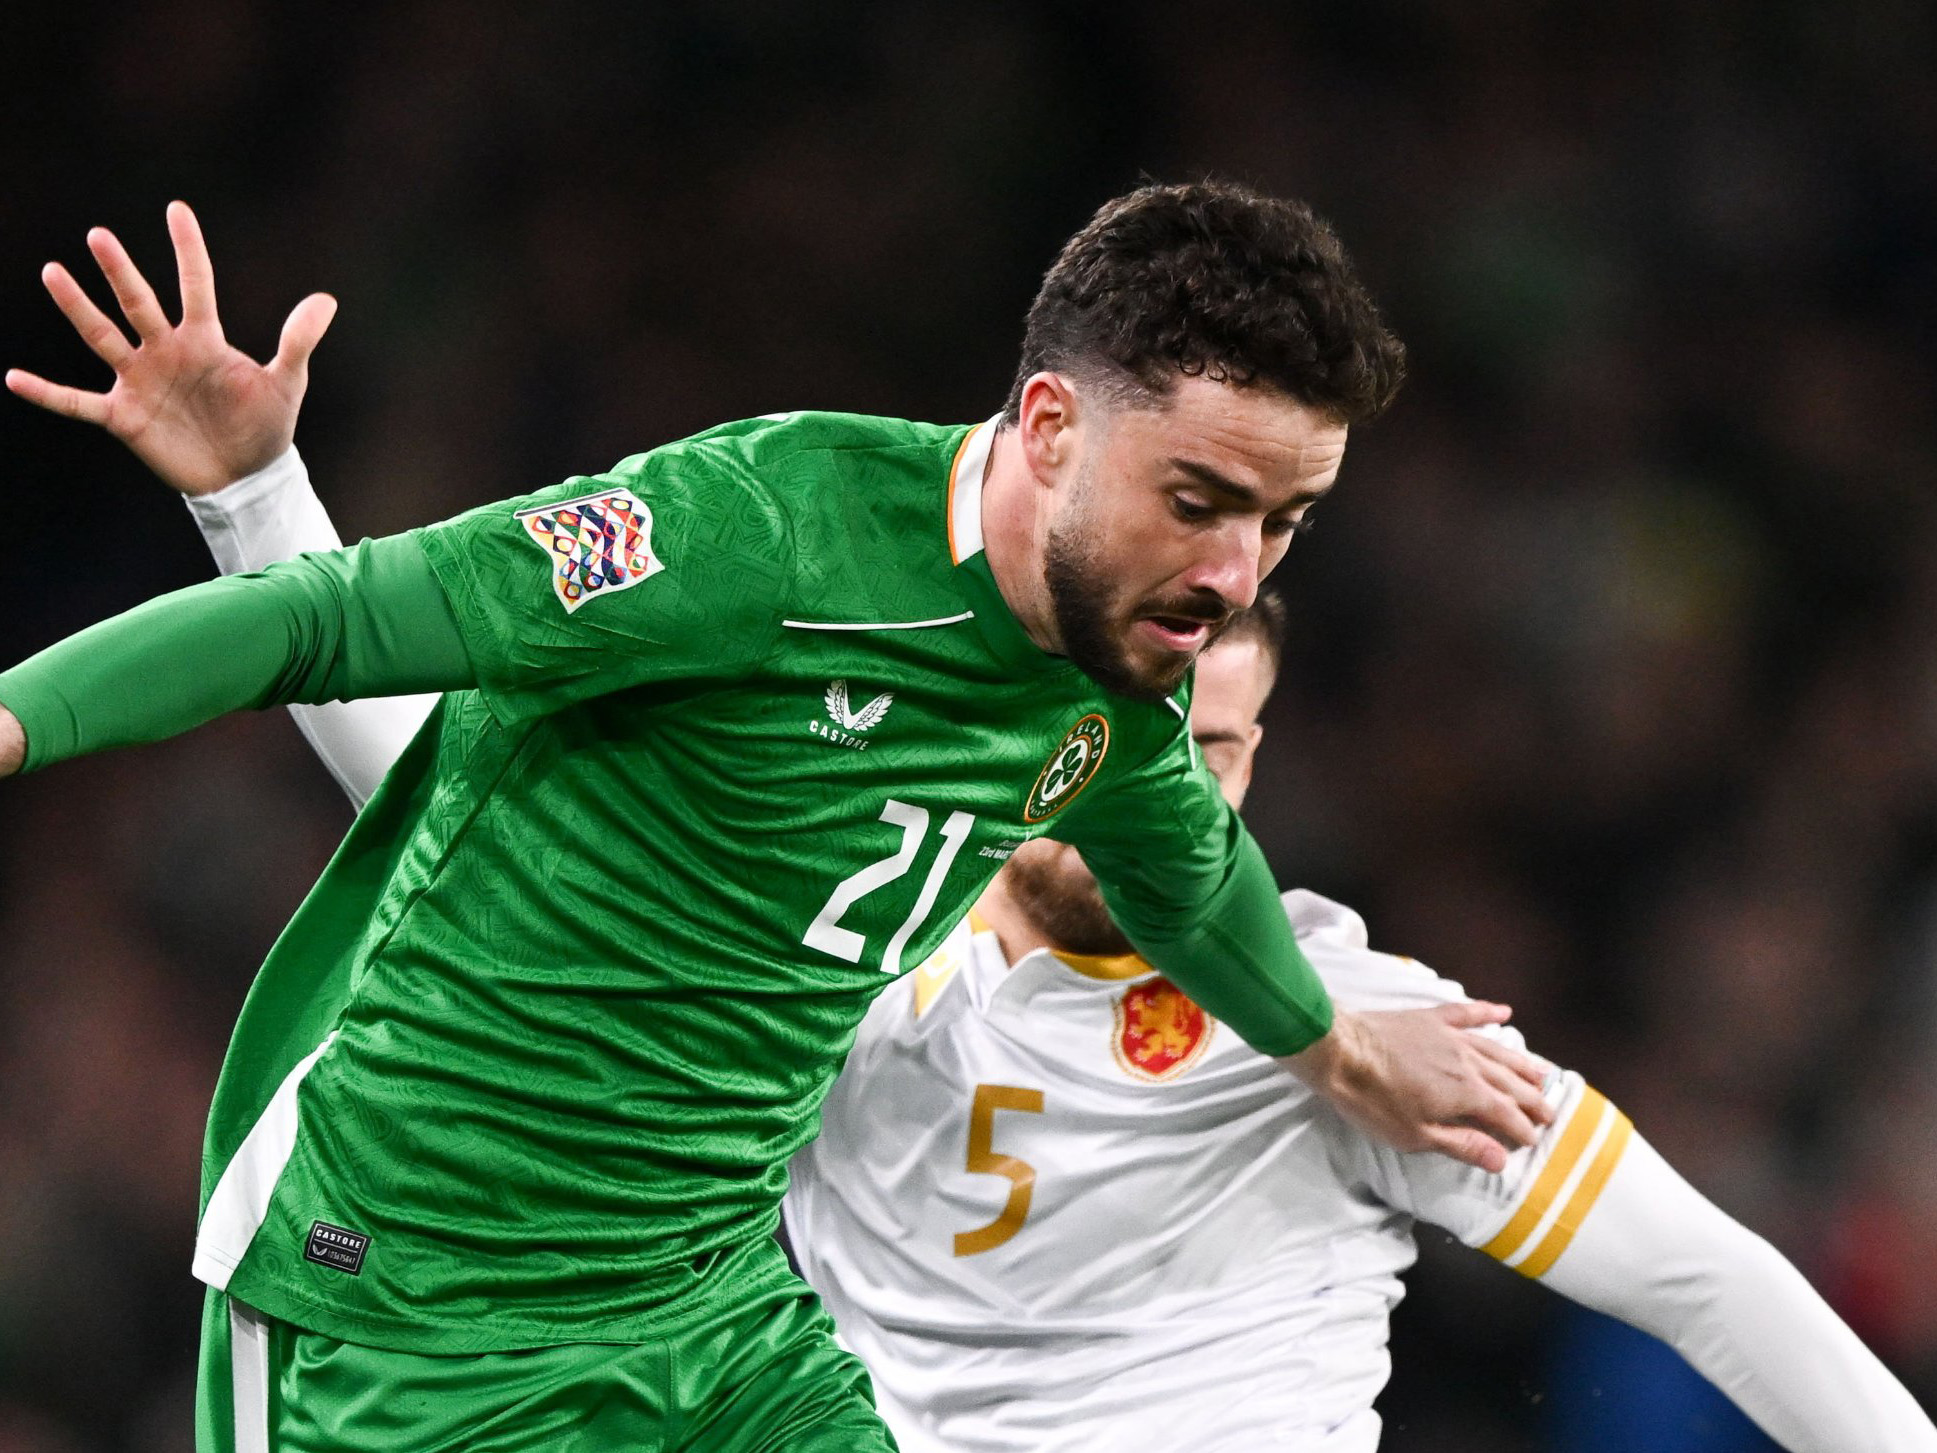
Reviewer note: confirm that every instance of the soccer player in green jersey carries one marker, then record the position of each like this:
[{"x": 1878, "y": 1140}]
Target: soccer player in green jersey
[{"x": 730, "y": 735}]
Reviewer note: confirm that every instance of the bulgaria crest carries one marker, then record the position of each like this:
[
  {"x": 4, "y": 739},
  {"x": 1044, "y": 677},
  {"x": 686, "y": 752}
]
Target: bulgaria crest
[
  {"x": 1069, "y": 768},
  {"x": 1159, "y": 1032},
  {"x": 597, "y": 544}
]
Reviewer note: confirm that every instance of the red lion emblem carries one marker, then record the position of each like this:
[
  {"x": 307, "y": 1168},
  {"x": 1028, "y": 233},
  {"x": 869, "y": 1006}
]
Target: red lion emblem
[{"x": 1159, "y": 1032}]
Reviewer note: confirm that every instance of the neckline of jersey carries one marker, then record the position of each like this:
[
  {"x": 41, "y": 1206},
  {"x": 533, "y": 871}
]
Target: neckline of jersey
[
  {"x": 1001, "y": 985},
  {"x": 1109, "y": 968},
  {"x": 1097, "y": 968},
  {"x": 1106, "y": 968},
  {"x": 962, "y": 520}
]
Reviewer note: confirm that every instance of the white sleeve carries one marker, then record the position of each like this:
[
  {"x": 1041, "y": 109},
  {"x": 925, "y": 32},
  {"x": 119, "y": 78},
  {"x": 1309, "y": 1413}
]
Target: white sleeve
[
  {"x": 1658, "y": 1254},
  {"x": 274, "y": 515},
  {"x": 1597, "y": 1214}
]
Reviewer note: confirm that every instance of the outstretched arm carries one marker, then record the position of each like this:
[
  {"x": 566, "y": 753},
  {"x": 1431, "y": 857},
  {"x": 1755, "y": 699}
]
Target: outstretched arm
[
  {"x": 1596, "y": 1213},
  {"x": 216, "y": 426},
  {"x": 1659, "y": 1255},
  {"x": 366, "y": 622}
]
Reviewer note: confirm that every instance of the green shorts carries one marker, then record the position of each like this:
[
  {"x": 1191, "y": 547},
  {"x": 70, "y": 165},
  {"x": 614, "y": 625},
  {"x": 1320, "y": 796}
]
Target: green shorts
[{"x": 764, "y": 1376}]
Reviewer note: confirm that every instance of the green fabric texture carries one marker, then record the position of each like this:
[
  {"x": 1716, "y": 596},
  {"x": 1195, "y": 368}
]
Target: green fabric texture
[
  {"x": 756, "y": 1375},
  {"x": 370, "y": 621}
]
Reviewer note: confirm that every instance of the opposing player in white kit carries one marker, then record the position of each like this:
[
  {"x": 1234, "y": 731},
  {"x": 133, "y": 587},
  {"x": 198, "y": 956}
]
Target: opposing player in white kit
[{"x": 1054, "y": 1207}]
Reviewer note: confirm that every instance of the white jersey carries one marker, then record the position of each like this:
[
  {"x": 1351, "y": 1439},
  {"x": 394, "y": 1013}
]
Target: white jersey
[{"x": 1052, "y": 1207}]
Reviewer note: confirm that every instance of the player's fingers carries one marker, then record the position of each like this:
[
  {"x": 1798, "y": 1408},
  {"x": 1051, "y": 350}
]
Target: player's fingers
[
  {"x": 1474, "y": 1013},
  {"x": 131, "y": 289},
  {"x": 97, "y": 330},
  {"x": 1528, "y": 1095},
  {"x": 1463, "y": 1143},
  {"x": 1530, "y": 1069},
  {"x": 1515, "y": 1109},
  {"x": 59, "y": 398},
  {"x": 192, "y": 266},
  {"x": 302, "y": 331}
]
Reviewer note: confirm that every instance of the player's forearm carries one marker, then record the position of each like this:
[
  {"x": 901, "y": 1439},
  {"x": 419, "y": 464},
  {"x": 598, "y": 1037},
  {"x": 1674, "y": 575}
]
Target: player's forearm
[
  {"x": 274, "y": 515},
  {"x": 1236, "y": 956},
  {"x": 1657, "y": 1254},
  {"x": 367, "y": 622}
]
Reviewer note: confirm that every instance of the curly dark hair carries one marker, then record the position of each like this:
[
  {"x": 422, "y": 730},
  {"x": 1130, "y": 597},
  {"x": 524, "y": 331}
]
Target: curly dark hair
[{"x": 1211, "y": 279}]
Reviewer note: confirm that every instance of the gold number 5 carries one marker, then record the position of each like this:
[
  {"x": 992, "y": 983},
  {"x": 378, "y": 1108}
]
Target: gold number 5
[{"x": 983, "y": 1160}]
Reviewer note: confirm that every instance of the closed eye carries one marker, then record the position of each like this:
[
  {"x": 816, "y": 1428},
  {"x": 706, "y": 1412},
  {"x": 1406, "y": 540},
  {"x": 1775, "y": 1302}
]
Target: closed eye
[
  {"x": 1289, "y": 526},
  {"x": 1189, "y": 510}
]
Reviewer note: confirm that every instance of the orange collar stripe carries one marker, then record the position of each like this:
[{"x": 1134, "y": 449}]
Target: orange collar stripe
[{"x": 954, "y": 477}]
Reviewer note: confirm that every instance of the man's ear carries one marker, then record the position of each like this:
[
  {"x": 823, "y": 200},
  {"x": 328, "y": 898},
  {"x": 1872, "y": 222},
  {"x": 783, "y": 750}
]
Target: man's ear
[{"x": 1048, "y": 419}]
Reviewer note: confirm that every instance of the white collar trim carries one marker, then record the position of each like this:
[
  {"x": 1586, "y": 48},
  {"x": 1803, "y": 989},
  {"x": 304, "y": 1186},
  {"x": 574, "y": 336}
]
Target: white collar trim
[{"x": 965, "y": 490}]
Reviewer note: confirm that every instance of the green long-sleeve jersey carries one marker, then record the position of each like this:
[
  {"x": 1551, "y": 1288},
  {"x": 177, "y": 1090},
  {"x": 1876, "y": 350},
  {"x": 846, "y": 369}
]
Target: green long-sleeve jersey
[{"x": 746, "y": 727}]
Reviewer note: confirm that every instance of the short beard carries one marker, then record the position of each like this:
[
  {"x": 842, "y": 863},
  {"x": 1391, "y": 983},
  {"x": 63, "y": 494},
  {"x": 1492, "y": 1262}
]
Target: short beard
[
  {"x": 1069, "y": 913},
  {"x": 1079, "y": 592}
]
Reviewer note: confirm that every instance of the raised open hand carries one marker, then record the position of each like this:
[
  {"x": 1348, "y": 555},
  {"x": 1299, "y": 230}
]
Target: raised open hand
[{"x": 197, "y": 411}]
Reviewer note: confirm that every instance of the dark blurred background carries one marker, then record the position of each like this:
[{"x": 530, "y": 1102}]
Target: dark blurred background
[{"x": 1614, "y": 686}]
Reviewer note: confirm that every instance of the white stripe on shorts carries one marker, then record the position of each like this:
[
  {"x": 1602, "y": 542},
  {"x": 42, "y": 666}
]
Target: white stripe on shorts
[{"x": 249, "y": 1377}]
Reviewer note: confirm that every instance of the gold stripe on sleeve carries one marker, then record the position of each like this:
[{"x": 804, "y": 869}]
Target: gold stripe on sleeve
[
  {"x": 1573, "y": 1140},
  {"x": 1582, "y": 1201}
]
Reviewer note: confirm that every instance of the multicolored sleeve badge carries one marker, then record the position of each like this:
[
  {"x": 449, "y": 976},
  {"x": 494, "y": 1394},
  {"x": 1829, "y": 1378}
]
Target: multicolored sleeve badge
[{"x": 598, "y": 544}]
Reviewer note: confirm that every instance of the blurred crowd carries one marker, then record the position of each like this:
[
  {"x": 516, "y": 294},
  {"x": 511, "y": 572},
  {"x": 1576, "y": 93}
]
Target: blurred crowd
[{"x": 1613, "y": 688}]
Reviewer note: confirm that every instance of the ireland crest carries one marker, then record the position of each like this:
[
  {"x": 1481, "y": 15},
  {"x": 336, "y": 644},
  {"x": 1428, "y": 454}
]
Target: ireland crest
[
  {"x": 597, "y": 544},
  {"x": 1069, "y": 768}
]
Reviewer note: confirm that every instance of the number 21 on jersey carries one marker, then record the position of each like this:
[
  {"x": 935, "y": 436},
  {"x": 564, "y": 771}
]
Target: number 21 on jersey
[{"x": 825, "y": 932}]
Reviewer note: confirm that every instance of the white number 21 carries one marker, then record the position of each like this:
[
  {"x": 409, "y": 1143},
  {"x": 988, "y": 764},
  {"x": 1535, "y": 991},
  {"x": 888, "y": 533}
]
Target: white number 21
[{"x": 825, "y": 932}]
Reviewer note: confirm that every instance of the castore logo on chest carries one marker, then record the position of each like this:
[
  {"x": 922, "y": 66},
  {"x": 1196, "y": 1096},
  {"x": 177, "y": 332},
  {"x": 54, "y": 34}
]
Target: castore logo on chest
[{"x": 849, "y": 723}]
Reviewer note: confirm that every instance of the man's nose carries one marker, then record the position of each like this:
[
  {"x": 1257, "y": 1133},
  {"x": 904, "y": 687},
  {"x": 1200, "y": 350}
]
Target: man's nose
[{"x": 1230, "y": 569}]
